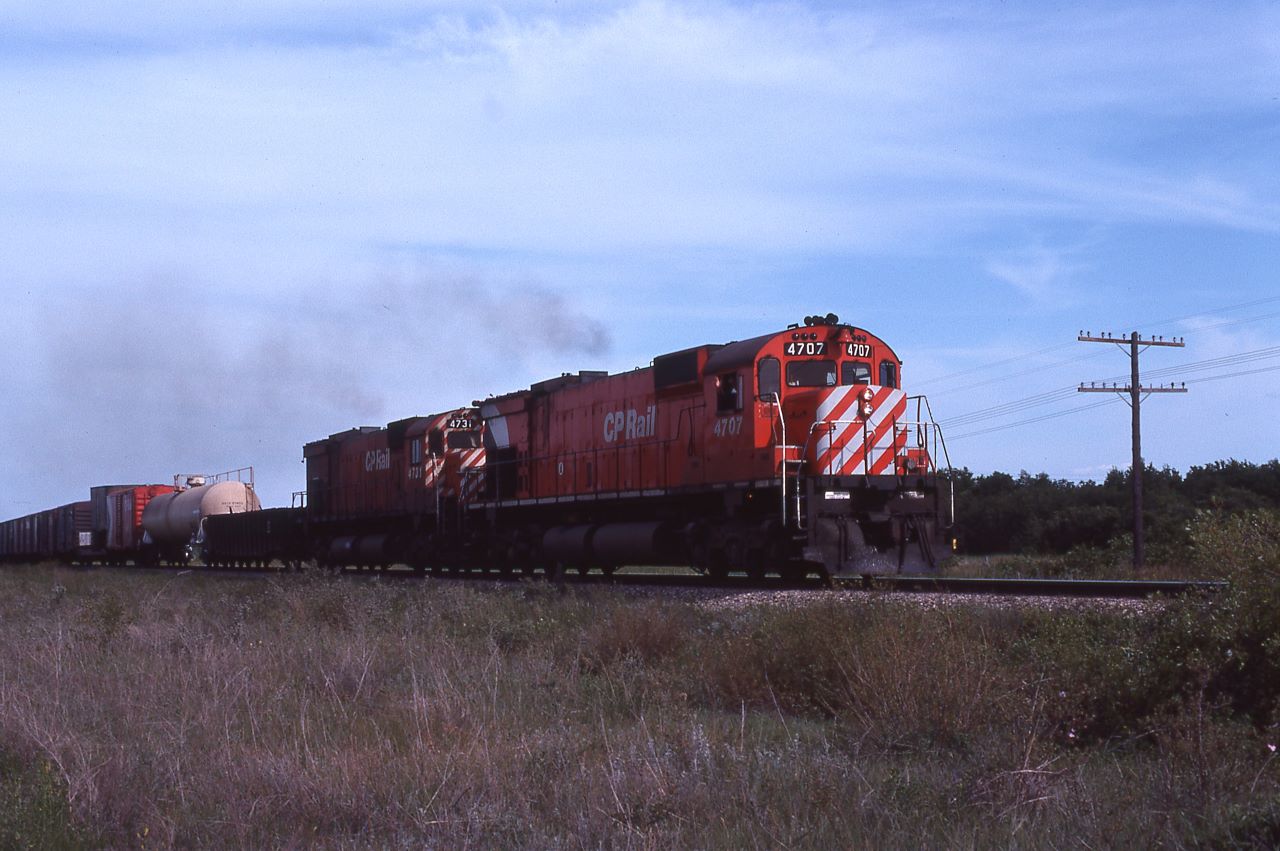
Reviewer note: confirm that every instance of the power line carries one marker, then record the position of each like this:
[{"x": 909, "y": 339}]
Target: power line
[
  {"x": 1229, "y": 307},
  {"x": 1041, "y": 418},
  {"x": 1082, "y": 408},
  {"x": 1234, "y": 322},
  {"x": 1051, "y": 396},
  {"x": 1214, "y": 363},
  {"x": 1013, "y": 407},
  {"x": 1010, "y": 375},
  {"x": 1024, "y": 356},
  {"x": 1237, "y": 374},
  {"x": 986, "y": 366}
]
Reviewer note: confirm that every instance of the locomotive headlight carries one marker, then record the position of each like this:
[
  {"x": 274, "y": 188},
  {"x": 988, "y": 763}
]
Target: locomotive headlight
[
  {"x": 867, "y": 409},
  {"x": 867, "y": 394}
]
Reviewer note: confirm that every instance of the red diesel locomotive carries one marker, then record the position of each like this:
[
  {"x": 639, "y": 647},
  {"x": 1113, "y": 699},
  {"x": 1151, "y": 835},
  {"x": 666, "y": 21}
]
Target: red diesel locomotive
[
  {"x": 395, "y": 494},
  {"x": 794, "y": 451}
]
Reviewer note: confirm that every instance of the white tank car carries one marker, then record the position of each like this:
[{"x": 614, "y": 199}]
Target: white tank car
[{"x": 174, "y": 518}]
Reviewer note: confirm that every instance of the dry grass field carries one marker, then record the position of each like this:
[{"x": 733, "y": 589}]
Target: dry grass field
[{"x": 153, "y": 711}]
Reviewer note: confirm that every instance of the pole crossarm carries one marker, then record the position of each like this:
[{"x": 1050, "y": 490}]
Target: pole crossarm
[
  {"x": 1127, "y": 389},
  {"x": 1179, "y": 342}
]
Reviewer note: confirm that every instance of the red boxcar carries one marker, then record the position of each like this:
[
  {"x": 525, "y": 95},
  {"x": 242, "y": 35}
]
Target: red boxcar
[{"x": 124, "y": 511}]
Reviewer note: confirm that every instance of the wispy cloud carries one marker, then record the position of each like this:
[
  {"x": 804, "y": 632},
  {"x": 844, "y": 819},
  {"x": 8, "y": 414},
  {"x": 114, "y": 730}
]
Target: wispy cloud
[
  {"x": 767, "y": 127},
  {"x": 1038, "y": 272}
]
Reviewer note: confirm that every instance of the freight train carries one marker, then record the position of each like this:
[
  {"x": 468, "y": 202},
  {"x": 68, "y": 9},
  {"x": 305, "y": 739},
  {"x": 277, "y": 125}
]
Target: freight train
[
  {"x": 793, "y": 452},
  {"x": 122, "y": 524}
]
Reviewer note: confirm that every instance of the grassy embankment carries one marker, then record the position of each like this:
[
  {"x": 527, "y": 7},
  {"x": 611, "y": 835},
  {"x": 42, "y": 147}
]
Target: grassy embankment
[{"x": 149, "y": 711}]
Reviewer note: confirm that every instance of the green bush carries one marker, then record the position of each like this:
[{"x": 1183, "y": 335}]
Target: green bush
[
  {"x": 1118, "y": 674},
  {"x": 33, "y": 807}
]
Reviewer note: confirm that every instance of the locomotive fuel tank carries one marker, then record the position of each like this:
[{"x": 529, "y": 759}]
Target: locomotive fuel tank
[{"x": 175, "y": 518}]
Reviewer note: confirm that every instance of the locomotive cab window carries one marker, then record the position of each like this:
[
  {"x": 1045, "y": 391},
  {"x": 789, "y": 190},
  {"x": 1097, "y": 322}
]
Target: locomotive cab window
[
  {"x": 464, "y": 439},
  {"x": 728, "y": 392},
  {"x": 888, "y": 373},
  {"x": 855, "y": 372},
  {"x": 415, "y": 451},
  {"x": 435, "y": 442},
  {"x": 769, "y": 378},
  {"x": 811, "y": 373}
]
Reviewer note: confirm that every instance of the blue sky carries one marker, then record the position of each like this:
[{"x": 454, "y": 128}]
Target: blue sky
[{"x": 231, "y": 228}]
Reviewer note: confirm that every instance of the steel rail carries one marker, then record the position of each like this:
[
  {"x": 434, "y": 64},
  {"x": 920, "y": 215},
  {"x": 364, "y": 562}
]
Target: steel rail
[
  {"x": 1120, "y": 588},
  {"x": 891, "y": 583}
]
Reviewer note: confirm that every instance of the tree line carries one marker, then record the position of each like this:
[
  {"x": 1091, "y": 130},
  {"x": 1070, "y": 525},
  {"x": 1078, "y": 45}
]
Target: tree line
[{"x": 1001, "y": 513}]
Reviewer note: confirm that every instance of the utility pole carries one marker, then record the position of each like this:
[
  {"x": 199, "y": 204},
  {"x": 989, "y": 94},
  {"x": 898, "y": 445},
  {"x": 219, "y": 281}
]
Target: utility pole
[{"x": 1136, "y": 393}]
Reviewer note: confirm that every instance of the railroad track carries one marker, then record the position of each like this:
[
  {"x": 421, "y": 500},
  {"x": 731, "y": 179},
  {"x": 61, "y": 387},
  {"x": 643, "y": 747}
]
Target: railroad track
[
  {"x": 1116, "y": 588},
  {"x": 1002, "y": 586}
]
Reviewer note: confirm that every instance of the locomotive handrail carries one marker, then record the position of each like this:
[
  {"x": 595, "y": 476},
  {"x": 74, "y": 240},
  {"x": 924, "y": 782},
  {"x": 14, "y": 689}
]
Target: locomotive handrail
[
  {"x": 782, "y": 421},
  {"x": 940, "y": 440},
  {"x": 898, "y": 427}
]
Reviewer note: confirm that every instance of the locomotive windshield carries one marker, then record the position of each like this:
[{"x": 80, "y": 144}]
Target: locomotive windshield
[
  {"x": 855, "y": 372},
  {"x": 464, "y": 439},
  {"x": 811, "y": 373}
]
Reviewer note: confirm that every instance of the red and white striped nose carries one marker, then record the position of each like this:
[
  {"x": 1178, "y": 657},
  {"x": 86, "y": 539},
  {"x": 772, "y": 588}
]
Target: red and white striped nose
[{"x": 857, "y": 431}]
